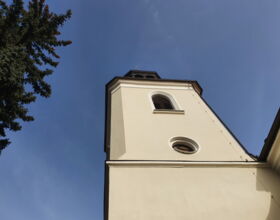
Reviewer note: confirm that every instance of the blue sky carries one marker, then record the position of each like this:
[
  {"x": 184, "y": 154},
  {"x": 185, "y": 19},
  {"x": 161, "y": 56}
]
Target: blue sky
[{"x": 53, "y": 169}]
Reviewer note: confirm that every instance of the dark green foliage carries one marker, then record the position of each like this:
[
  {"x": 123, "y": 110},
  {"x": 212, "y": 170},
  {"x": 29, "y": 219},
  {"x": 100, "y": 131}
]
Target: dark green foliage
[{"x": 28, "y": 38}]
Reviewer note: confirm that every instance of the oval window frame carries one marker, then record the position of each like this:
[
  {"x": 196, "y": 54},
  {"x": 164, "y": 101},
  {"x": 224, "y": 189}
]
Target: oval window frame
[{"x": 189, "y": 143}]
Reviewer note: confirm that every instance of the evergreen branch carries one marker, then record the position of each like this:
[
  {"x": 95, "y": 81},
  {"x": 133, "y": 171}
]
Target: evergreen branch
[{"x": 28, "y": 39}]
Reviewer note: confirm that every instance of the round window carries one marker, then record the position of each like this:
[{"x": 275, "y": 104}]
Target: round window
[{"x": 184, "y": 145}]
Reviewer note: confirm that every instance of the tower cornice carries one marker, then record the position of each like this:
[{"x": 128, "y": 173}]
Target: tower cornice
[{"x": 154, "y": 82}]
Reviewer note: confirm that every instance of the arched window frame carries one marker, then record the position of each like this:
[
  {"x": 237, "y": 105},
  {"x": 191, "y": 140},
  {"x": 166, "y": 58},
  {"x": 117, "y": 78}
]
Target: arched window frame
[{"x": 177, "y": 108}]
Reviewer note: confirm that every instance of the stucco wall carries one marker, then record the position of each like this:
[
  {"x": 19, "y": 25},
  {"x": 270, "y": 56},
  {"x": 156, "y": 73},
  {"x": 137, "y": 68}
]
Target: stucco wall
[
  {"x": 117, "y": 145},
  {"x": 196, "y": 193},
  {"x": 147, "y": 134},
  {"x": 166, "y": 191}
]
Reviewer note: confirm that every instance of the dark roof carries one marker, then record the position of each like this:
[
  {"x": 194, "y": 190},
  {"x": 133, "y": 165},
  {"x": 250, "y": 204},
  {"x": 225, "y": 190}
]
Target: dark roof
[
  {"x": 268, "y": 142},
  {"x": 142, "y": 74}
]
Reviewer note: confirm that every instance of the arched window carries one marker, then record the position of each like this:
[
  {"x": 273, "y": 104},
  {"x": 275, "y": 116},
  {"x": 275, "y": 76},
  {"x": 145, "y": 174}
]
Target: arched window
[{"x": 162, "y": 102}]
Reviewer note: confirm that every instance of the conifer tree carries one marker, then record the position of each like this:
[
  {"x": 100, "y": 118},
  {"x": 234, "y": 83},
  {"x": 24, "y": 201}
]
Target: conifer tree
[{"x": 28, "y": 38}]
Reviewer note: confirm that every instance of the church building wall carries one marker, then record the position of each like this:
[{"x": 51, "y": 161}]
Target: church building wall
[
  {"x": 147, "y": 179},
  {"x": 193, "y": 192},
  {"x": 148, "y": 133}
]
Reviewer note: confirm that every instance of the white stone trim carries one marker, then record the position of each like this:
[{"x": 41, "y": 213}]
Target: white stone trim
[
  {"x": 151, "y": 85},
  {"x": 189, "y": 163},
  {"x": 172, "y": 112}
]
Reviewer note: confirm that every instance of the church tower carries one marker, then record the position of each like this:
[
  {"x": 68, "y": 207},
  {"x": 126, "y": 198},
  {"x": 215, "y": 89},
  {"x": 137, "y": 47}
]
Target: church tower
[{"x": 170, "y": 157}]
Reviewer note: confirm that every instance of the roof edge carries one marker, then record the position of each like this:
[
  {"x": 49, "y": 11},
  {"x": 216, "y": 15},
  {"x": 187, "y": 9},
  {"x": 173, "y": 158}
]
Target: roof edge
[{"x": 268, "y": 142}]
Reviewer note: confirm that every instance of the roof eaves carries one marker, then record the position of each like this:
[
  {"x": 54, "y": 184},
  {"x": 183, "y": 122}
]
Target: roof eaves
[{"x": 268, "y": 143}]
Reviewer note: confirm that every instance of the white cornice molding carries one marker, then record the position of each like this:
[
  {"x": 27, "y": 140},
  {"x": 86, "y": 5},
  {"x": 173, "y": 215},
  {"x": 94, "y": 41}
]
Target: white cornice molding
[
  {"x": 189, "y": 164},
  {"x": 150, "y": 85}
]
